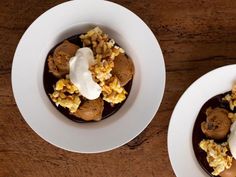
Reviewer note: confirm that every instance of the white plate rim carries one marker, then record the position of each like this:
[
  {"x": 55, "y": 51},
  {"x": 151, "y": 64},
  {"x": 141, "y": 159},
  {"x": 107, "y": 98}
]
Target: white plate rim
[
  {"x": 183, "y": 160},
  {"x": 23, "y": 111}
]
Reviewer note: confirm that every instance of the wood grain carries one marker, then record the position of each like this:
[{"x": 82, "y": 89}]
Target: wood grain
[{"x": 196, "y": 36}]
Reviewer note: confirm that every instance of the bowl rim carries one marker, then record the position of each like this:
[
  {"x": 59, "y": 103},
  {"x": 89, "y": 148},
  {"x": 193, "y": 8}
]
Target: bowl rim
[
  {"x": 189, "y": 165},
  {"x": 15, "y": 65}
]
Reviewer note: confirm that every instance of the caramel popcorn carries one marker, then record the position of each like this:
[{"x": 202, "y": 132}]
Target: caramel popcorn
[
  {"x": 102, "y": 70},
  {"x": 105, "y": 51},
  {"x": 231, "y": 98},
  {"x": 113, "y": 92},
  {"x": 65, "y": 85},
  {"x": 232, "y": 116},
  {"x": 66, "y": 95},
  {"x": 101, "y": 44},
  {"x": 216, "y": 155}
]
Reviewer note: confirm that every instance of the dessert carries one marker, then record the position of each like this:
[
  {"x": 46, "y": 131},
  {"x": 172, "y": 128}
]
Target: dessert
[
  {"x": 214, "y": 135},
  {"x": 88, "y": 76}
]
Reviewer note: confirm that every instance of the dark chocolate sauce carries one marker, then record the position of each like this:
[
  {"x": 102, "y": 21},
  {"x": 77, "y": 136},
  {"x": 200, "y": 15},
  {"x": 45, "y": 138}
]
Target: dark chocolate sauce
[
  {"x": 49, "y": 80},
  {"x": 198, "y": 135}
]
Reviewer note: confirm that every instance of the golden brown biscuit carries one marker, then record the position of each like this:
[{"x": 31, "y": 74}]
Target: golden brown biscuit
[
  {"x": 123, "y": 69},
  {"x": 58, "y": 64},
  {"x": 90, "y": 110},
  {"x": 217, "y": 124}
]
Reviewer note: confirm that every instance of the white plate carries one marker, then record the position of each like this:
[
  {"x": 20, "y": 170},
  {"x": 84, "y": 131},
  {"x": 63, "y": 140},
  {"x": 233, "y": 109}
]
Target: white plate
[
  {"x": 75, "y": 17},
  {"x": 180, "y": 148}
]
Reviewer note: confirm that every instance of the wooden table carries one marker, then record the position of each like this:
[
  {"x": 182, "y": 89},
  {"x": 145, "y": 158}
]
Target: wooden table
[{"x": 196, "y": 36}]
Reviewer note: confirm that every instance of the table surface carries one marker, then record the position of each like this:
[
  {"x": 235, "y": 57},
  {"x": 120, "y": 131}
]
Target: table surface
[{"x": 196, "y": 36}]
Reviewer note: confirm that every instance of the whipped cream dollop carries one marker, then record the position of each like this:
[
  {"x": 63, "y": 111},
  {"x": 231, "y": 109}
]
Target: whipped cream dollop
[
  {"x": 232, "y": 140},
  {"x": 80, "y": 75}
]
